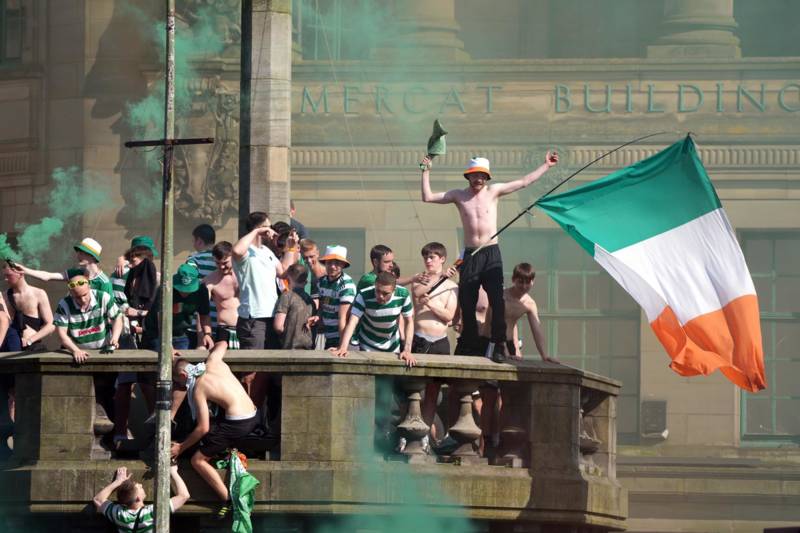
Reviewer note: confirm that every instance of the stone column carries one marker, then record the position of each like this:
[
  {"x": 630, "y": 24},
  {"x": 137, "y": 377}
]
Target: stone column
[
  {"x": 426, "y": 31},
  {"x": 265, "y": 126},
  {"x": 697, "y": 28}
]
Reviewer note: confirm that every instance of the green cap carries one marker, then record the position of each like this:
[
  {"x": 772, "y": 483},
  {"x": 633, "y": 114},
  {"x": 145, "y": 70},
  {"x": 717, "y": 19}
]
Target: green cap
[
  {"x": 74, "y": 272},
  {"x": 144, "y": 240},
  {"x": 186, "y": 279}
]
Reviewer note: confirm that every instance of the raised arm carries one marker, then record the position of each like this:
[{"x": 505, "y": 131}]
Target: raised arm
[
  {"x": 217, "y": 353},
  {"x": 181, "y": 490},
  {"x": 120, "y": 476},
  {"x": 241, "y": 246},
  {"x": 501, "y": 189},
  {"x": 41, "y": 275},
  {"x": 427, "y": 195}
]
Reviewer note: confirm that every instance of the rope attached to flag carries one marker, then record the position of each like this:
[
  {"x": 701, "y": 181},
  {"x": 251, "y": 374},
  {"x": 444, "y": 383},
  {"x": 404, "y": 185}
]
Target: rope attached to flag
[{"x": 562, "y": 182}]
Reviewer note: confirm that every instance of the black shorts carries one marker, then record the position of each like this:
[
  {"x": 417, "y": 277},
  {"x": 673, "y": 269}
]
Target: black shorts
[
  {"x": 226, "y": 434},
  {"x": 438, "y": 347}
]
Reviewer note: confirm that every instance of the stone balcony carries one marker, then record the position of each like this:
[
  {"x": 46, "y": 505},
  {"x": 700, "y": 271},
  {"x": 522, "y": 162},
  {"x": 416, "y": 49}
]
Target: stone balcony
[{"x": 555, "y": 469}]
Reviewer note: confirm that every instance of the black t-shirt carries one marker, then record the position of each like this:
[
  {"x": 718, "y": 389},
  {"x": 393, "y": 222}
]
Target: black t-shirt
[{"x": 184, "y": 306}]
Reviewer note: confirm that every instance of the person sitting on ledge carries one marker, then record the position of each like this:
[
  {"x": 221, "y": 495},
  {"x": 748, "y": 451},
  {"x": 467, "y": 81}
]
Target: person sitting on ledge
[
  {"x": 214, "y": 382},
  {"x": 130, "y": 514}
]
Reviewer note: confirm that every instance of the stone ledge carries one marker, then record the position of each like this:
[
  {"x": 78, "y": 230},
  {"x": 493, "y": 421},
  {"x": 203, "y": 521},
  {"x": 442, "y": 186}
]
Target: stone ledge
[{"x": 318, "y": 362}]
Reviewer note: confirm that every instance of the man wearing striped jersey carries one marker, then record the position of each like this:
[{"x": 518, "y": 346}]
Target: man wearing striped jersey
[
  {"x": 378, "y": 309},
  {"x": 203, "y": 239},
  {"x": 130, "y": 514},
  {"x": 82, "y": 318},
  {"x": 87, "y": 257},
  {"x": 336, "y": 293}
]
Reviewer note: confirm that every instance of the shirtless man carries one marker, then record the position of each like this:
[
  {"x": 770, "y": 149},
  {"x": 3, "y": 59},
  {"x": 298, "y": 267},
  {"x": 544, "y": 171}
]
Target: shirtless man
[
  {"x": 213, "y": 381},
  {"x": 518, "y": 302},
  {"x": 477, "y": 207},
  {"x": 224, "y": 290},
  {"x": 28, "y": 309},
  {"x": 432, "y": 316}
]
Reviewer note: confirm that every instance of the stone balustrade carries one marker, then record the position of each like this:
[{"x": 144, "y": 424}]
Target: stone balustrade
[{"x": 555, "y": 464}]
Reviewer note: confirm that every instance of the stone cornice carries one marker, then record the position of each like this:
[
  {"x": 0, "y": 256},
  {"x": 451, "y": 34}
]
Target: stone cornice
[{"x": 366, "y": 158}]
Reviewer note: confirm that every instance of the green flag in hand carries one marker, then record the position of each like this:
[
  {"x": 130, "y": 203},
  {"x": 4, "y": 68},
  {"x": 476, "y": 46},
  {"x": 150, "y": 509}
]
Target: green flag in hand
[{"x": 437, "y": 145}]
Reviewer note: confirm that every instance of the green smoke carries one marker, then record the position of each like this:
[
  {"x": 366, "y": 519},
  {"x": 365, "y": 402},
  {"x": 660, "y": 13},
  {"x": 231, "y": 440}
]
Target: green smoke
[
  {"x": 424, "y": 498},
  {"x": 196, "y": 37},
  {"x": 74, "y": 193}
]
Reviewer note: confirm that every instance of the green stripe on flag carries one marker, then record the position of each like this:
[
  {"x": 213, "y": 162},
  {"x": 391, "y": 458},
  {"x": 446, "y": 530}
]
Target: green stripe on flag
[{"x": 635, "y": 203}]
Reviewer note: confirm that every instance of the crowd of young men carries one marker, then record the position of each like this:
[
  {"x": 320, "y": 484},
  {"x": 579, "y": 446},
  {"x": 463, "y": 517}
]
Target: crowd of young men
[{"x": 273, "y": 290}]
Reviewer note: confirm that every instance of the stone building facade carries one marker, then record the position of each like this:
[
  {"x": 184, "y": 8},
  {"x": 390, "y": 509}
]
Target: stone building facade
[{"x": 509, "y": 79}]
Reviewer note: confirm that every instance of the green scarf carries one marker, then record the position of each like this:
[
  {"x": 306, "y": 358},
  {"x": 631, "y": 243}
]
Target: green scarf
[{"x": 241, "y": 487}]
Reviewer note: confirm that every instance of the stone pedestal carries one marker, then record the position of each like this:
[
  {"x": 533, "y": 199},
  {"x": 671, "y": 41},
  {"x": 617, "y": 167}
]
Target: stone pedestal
[
  {"x": 426, "y": 31},
  {"x": 265, "y": 108},
  {"x": 701, "y": 29},
  {"x": 413, "y": 428},
  {"x": 55, "y": 418},
  {"x": 327, "y": 417}
]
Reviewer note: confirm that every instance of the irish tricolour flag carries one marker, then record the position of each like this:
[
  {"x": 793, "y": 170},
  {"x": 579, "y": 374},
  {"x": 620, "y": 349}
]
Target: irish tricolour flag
[{"x": 659, "y": 229}]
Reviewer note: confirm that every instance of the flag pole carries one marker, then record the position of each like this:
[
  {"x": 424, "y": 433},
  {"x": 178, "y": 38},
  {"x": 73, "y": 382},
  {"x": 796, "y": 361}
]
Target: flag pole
[{"x": 562, "y": 182}]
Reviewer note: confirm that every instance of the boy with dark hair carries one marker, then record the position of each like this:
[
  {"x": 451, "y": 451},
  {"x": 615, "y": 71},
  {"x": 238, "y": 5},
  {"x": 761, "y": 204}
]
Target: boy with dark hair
[
  {"x": 224, "y": 290},
  {"x": 214, "y": 382},
  {"x": 378, "y": 310},
  {"x": 130, "y": 514},
  {"x": 518, "y": 303},
  {"x": 257, "y": 268},
  {"x": 294, "y": 310},
  {"x": 203, "y": 239},
  {"x": 382, "y": 259}
]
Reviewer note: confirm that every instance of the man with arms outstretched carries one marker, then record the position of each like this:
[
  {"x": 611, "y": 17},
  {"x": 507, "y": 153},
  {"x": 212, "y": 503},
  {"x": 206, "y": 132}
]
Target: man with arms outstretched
[
  {"x": 477, "y": 207},
  {"x": 214, "y": 382}
]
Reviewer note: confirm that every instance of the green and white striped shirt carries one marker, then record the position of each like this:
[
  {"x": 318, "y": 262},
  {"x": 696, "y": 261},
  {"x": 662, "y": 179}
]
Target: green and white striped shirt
[
  {"x": 88, "y": 329},
  {"x": 331, "y": 295},
  {"x": 118, "y": 284},
  {"x": 204, "y": 261},
  {"x": 124, "y": 518},
  {"x": 378, "y": 324}
]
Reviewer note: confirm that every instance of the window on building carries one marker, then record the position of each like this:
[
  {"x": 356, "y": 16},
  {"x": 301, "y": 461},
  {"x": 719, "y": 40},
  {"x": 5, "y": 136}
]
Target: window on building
[
  {"x": 589, "y": 321},
  {"x": 336, "y": 29},
  {"x": 11, "y": 30},
  {"x": 354, "y": 239},
  {"x": 774, "y": 262}
]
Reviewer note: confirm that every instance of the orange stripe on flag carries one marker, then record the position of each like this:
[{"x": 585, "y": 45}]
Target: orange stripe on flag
[{"x": 728, "y": 339}]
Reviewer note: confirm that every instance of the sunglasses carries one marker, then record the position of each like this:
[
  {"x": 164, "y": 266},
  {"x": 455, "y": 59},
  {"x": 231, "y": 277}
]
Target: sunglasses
[{"x": 77, "y": 283}]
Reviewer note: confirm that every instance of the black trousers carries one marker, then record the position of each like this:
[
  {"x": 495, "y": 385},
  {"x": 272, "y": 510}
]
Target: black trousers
[{"x": 484, "y": 269}]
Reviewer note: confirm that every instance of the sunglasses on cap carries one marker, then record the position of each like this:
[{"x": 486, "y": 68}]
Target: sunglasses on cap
[{"x": 77, "y": 283}]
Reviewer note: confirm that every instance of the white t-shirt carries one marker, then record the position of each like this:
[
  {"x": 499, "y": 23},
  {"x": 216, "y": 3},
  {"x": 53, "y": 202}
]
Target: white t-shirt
[{"x": 257, "y": 274}]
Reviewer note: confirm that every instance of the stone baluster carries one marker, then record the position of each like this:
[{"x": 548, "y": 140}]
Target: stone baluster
[
  {"x": 465, "y": 431},
  {"x": 514, "y": 432},
  {"x": 697, "y": 28},
  {"x": 413, "y": 428},
  {"x": 600, "y": 428}
]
